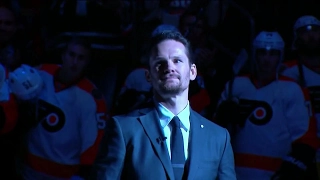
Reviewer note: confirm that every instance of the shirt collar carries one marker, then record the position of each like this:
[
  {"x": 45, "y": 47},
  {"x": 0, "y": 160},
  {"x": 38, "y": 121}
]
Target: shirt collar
[{"x": 166, "y": 115}]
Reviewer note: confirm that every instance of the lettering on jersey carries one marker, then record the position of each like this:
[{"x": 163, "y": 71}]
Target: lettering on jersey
[
  {"x": 257, "y": 112},
  {"x": 51, "y": 117},
  {"x": 27, "y": 84},
  {"x": 315, "y": 98},
  {"x": 101, "y": 119}
]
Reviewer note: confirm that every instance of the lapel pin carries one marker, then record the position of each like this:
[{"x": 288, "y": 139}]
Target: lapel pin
[{"x": 201, "y": 126}]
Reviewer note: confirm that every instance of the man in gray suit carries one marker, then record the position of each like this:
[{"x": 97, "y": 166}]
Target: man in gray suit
[{"x": 168, "y": 140}]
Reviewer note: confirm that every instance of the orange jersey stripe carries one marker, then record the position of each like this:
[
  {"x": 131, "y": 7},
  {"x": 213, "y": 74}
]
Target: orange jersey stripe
[
  {"x": 10, "y": 109},
  {"x": 257, "y": 161},
  {"x": 200, "y": 101},
  {"x": 51, "y": 168},
  {"x": 310, "y": 137}
]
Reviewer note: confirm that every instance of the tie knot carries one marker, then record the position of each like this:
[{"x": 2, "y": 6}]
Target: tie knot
[{"x": 175, "y": 122}]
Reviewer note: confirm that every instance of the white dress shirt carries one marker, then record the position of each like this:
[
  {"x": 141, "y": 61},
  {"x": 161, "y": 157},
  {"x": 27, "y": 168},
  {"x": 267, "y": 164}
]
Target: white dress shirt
[{"x": 166, "y": 116}]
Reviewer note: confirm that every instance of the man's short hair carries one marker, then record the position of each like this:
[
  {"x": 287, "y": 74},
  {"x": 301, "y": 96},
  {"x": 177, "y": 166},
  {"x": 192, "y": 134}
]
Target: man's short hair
[
  {"x": 170, "y": 35},
  {"x": 79, "y": 41}
]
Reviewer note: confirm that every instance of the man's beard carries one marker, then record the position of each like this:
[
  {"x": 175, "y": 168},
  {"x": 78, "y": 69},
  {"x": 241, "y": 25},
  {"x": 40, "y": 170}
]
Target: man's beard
[{"x": 171, "y": 88}]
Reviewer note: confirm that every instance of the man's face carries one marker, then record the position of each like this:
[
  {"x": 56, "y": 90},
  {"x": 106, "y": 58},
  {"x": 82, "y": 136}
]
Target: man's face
[
  {"x": 170, "y": 71},
  {"x": 310, "y": 36},
  {"x": 74, "y": 60},
  {"x": 188, "y": 24},
  {"x": 268, "y": 60},
  {"x": 7, "y": 25}
]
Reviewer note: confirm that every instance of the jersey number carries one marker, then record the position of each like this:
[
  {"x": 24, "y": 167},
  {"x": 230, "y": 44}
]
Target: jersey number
[
  {"x": 27, "y": 84},
  {"x": 101, "y": 119}
]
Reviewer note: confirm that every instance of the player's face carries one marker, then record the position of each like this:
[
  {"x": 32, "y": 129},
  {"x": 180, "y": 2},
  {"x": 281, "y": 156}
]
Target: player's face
[
  {"x": 194, "y": 26},
  {"x": 7, "y": 25},
  {"x": 268, "y": 60},
  {"x": 75, "y": 60},
  {"x": 310, "y": 36},
  {"x": 170, "y": 71}
]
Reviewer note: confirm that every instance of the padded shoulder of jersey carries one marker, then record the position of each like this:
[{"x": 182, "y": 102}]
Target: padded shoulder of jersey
[
  {"x": 291, "y": 63},
  {"x": 86, "y": 85},
  {"x": 49, "y": 68},
  {"x": 286, "y": 78}
]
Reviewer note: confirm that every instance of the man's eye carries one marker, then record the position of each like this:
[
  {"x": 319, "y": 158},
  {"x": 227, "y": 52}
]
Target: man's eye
[{"x": 177, "y": 60}]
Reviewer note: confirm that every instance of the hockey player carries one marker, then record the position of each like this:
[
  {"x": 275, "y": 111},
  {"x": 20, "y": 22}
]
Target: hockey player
[
  {"x": 70, "y": 114},
  {"x": 273, "y": 135},
  {"x": 305, "y": 68}
]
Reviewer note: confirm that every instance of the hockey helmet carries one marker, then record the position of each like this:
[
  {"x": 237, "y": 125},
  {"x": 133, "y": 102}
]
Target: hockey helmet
[
  {"x": 306, "y": 21},
  {"x": 268, "y": 40},
  {"x": 25, "y": 82}
]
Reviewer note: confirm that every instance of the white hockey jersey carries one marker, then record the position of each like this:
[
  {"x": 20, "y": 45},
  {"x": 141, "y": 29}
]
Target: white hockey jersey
[
  {"x": 272, "y": 118},
  {"x": 312, "y": 82},
  {"x": 71, "y": 122}
]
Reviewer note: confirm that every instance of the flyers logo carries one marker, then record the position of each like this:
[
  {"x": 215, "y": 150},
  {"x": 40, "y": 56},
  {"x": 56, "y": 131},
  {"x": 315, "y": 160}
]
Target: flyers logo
[
  {"x": 51, "y": 117},
  {"x": 257, "y": 112}
]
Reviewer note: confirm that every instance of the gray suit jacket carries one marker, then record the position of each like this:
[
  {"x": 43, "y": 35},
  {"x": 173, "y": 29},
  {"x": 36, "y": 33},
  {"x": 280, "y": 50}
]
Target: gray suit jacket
[{"x": 133, "y": 148}]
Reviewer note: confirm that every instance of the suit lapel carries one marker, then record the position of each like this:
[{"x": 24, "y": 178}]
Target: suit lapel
[
  {"x": 152, "y": 127},
  {"x": 196, "y": 133}
]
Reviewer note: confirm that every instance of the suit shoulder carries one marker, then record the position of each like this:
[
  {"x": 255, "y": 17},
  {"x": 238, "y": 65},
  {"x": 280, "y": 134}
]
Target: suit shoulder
[
  {"x": 131, "y": 117},
  {"x": 214, "y": 128},
  {"x": 135, "y": 113}
]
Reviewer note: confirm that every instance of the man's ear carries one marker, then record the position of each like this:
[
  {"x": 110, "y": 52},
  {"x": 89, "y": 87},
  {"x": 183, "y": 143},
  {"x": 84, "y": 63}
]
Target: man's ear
[
  {"x": 193, "y": 72},
  {"x": 147, "y": 74}
]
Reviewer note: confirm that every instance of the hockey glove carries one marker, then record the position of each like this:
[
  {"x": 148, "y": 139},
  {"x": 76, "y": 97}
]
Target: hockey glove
[{"x": 296, "y": 164}]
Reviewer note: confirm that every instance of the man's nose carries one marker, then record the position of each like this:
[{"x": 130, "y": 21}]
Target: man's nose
[
  {"x": 265, "y": 58},
  {"x": 169, "y": 66},
  {"x": 75, "y": 60}
]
